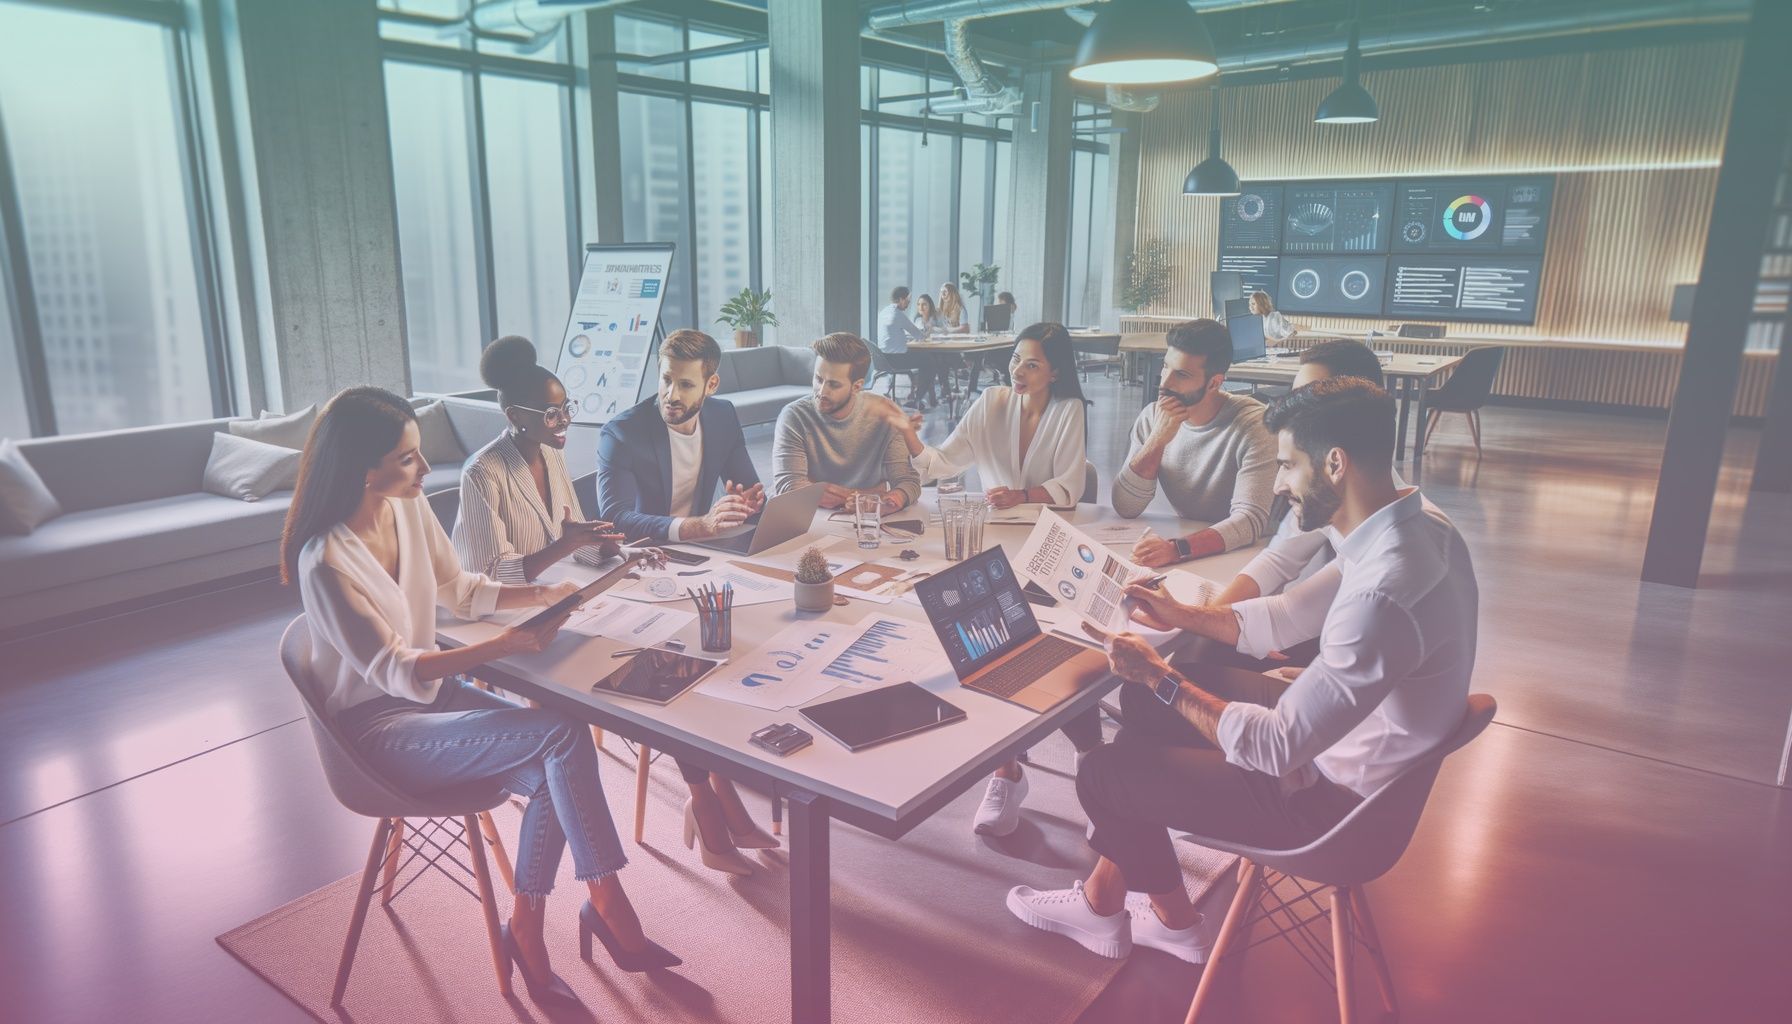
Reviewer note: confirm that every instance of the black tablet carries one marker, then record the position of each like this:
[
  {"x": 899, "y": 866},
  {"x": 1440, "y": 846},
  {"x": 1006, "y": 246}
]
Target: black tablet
[
  {"x": 655, "y": 676},
  {"x": 583, "y": 594},
  {"x": 878, "y": 716}
]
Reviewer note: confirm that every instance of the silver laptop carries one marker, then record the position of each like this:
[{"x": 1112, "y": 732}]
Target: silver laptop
[
  {"x": 994, "y": 642},
  {"x": 784, "y": 517}
]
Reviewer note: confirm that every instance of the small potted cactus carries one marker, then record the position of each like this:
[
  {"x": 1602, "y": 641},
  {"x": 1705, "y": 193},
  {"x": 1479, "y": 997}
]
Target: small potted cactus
[{"x": 814, "y": 583}]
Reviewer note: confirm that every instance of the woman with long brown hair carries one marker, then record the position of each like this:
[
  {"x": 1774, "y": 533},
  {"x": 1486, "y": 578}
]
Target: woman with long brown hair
[
  {"x": 952, "y": 310},
  {"x": 372, "y": 563}
]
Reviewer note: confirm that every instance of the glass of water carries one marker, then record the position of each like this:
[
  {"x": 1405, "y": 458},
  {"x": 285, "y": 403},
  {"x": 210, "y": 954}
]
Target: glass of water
[
  {"x": 953, "y": 484},
  {"x": 868, "y": 519},
  {"x": 961, "y": 526}
]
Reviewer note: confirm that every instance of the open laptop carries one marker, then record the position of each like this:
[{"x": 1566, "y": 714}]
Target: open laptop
[
  {"x": 994, "y": 642},
  {"x": 785, "y": 516}
]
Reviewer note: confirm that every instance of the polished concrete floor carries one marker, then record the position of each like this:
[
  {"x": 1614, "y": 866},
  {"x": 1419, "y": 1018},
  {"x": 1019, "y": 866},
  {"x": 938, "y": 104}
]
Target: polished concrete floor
[{"x": 1613, "y": 849}]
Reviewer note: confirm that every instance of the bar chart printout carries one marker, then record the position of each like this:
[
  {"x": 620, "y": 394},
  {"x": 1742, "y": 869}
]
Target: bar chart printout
[{"x": 888, "y": 651}]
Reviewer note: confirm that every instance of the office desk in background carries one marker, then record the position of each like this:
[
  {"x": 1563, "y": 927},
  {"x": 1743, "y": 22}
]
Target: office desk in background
[
  {"x": 1408, "y": 377},
  {"x": 886, "y": 790}
]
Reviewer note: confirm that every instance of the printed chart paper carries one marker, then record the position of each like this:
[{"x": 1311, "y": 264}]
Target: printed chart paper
[
  {"x": 668, "y": 585},
  {"x": 603, "y": 353},
  {"x": 889, "y": 650},
  {"x": 787, "y": 670},
  {"x": 636, "y": 624},
  {"x": 1076, "y": 569}
]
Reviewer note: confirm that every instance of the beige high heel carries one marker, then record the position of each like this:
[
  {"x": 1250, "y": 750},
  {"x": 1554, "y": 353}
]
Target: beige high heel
[
  {"x": 757, "y": 839},
  {"x": 730, "y": 861}
]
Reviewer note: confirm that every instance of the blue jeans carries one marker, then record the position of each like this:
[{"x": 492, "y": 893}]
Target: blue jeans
[{"x": 468, "y": 735}]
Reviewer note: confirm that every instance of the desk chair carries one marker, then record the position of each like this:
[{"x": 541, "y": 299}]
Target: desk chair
[
  {"x": 882, "y": 367},
  {"x": 1106, "y": 355},
  {"x": 450, "y": 817},
  {"x": 1357, "y": 850},
  {"x": 1465, "y": 392}
]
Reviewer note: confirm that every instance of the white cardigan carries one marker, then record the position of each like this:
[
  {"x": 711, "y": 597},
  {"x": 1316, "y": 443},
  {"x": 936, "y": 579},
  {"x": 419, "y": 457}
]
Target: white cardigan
[
  {"x": 370, "y": 630},
  {"x": 501, "y": 516},
  {"x": 989, "y": 437}
]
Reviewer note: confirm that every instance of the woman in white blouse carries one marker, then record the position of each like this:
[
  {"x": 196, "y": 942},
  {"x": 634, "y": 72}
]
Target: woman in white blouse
[
  {"x": 928, "y": 318},
  {"x": 372, "y": 563},
  {"x": 516, "y": 519},
  {"x": 1027, "y": 442},
  {"x": 952, "y": 310}
]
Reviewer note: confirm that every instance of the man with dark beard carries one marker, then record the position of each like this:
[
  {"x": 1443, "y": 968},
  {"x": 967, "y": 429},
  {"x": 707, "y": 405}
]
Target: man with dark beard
[
  {"x": 660, "y": 463},
  {"x": 1269, "y": 761}
]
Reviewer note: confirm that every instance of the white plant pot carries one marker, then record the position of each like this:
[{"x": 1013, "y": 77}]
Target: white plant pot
[{"x": 814, "y": 597}]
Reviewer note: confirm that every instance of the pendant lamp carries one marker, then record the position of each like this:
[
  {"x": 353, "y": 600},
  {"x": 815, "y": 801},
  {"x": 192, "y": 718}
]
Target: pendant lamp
[
  {"x": 1145, "y": 42},
  {"x": 1349, "y": 103},
  {"x": 1212, "y": 176}
]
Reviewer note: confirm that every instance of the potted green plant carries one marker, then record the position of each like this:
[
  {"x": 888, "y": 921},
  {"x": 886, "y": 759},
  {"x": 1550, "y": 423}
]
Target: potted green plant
[
  {"x": 980, "y": 281},
  {"x": 1147, "y": 276},
  {"x": 814, "y": 583},
  {"x": 746, "y": 313}
]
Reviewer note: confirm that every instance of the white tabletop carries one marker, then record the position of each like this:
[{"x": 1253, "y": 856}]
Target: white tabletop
[{"x": 887, "y": 782}]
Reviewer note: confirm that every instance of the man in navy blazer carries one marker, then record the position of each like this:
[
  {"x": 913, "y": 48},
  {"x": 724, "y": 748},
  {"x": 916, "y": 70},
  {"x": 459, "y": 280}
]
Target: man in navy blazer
[{"x": 661, "y": 463}]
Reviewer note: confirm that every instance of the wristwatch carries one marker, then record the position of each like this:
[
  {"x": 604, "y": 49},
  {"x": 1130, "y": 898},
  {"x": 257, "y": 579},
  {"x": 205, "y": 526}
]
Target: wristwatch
[
  {"x": 1183, "y": 551},
  {"x": 1166, "y": 688}
]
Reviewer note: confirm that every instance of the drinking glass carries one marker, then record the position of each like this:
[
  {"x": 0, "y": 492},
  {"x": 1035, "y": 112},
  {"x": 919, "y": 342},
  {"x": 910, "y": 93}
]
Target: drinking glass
[
  {"x": 961, "y": 526},
  {"x": 868, "y": 519},
  {"x": 953, "y": 484}
]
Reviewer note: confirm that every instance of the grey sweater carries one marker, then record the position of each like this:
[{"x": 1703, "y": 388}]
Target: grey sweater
[
  {"x": 1222, "y": 472},
  {"x": 860, "y": 451}
]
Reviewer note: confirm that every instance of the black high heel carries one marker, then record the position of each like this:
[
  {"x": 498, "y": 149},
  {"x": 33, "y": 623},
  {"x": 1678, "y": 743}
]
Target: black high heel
[
  {"x": 655, "y": 957},
  {"x": 552, "y": 994}
]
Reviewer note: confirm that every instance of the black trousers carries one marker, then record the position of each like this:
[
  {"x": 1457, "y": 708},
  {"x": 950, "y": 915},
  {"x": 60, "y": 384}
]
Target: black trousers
[{"x": 1161, "y": 774}]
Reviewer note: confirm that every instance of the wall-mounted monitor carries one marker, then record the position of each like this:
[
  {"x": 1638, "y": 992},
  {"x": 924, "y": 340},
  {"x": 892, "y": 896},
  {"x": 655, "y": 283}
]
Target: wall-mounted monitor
[
  {"x": 1464, "y": 288},
  {"x": 1473, "y": 215},
  {"x": 1337, "y": 217},
  {"x": 1257, "y": 273},
  {"x": 1252, "y": 220},
  {"x": 1340, "y": 285}
]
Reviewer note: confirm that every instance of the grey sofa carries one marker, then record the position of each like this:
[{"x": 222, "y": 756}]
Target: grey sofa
[
  {"x": 135, "y": 521},
  {"x": 760, "y": 382}
]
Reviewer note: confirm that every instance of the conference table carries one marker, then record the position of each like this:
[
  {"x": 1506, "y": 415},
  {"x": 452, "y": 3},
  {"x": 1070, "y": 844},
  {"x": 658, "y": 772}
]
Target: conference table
[
  {"x": 966, "y": 346},
  {"x": 886, "y": 790}
]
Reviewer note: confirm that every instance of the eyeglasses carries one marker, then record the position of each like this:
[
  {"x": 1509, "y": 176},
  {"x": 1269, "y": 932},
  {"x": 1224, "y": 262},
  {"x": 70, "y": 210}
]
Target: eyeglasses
[{"x": 554, "y": 415}]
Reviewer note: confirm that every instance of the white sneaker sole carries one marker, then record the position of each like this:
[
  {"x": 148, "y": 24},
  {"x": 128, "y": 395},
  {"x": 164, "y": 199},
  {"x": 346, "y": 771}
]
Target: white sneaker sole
[
  {"x": 994, "y": 828},
  {"x": 1112, "y": 948},
  {"x": 1187, "y": 952}
]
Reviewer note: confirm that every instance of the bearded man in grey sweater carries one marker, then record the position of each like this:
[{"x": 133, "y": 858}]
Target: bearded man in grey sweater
[
  {"x": 832, "y": 438},
  {"x": 1207, "y": 449}
]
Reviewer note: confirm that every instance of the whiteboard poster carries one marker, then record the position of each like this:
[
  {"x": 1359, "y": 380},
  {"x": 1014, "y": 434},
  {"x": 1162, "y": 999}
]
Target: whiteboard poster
[{"x": 609, "y": 334}]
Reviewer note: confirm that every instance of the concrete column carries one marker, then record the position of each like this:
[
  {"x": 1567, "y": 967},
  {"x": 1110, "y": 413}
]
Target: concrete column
[
  {"x": 815, "y": 167},
  {"x": 1039, "y": 214},
  {"x": 314, "y": 98},
  {"x": 600, "y": 161},
  {"x": 1123, "y": 184}
]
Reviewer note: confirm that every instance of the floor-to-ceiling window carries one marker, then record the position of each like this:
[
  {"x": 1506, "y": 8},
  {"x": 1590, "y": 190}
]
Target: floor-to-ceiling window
[
  {"x": 935, "y": 187},
  {"x": 1091, "y": 219},
  {"x": 483, "y": 158},
  {"x": 109, "y": 320},
  {"x": 697, "y": 161}
]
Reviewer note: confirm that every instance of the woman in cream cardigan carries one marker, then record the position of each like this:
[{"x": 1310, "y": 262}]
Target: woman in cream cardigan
[
  {"x": 372, "y": 563},
  {"x": 1027, "y": 442}
]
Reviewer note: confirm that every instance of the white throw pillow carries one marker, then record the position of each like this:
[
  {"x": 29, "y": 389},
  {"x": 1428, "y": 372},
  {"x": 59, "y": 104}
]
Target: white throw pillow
[
  {"x": 287, "y": 431},
  {"x": 24, "y": 500},
  {"x": 440, "y": 445},
  {"x": 240, "y": 467}
]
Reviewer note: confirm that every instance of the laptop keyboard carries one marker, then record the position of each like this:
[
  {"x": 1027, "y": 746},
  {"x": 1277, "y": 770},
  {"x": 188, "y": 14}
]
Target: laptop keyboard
[{"x": 1028, "y": 667}]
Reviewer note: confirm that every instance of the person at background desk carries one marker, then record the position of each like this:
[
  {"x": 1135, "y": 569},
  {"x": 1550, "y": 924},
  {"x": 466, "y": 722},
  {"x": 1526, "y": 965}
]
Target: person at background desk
[
  {"x": 1027, "y": 443},
  {"x": 372, "y": 563},
  {"x": 516, "y": 497},
  {"x": 952, "y": 310},
  {"x": 927, "y": 316},
  {"x": 894, "y": 331},
  {"x": 833, "y": 437},
  {"x": 1276, "y": 327},
  {"x": 660, "y": 463},
  {"x": 1206, "y": 449},
  {"x": 1277, "y": 762}
]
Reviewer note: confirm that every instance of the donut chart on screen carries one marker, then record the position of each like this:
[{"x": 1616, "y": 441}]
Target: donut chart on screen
[{"x": 1467, "y": 218}]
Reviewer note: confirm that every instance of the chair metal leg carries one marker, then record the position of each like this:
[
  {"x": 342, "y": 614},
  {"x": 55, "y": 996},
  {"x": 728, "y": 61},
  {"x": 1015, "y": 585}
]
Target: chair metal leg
[
  {"x": 489, "y": 829},
  {"x": 1343, "y": 955},
  {"x": 1474, "y": 426},
  {"x": 488, "y": 902},
  {"x": 389, "y": 871},
  {"x": 381, "y": 834},
  {"x": 1384, "y": 978},
  {"x": 1233, "y": 929},
  {"x": 643, "y": 760},
  {"x": 1430, "y": 427}
]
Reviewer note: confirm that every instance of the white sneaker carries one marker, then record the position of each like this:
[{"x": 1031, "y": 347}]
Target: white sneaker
[
  {"x": 1192, "y": 944},
  {"x": 999, "y": 814},
  {"x": 1066, "y": 912}
]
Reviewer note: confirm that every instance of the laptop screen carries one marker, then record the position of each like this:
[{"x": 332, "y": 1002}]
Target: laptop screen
[
  {"x": 1247, "y": 337},
  {"x": 977, "y": 610}
]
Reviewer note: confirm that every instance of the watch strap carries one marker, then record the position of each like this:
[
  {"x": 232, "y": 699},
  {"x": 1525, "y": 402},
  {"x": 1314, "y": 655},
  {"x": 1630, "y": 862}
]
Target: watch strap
[{"x": 1183, "y": 551}]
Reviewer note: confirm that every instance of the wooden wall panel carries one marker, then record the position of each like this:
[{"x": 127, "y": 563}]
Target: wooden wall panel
[{"x": 1634, "y": 137}]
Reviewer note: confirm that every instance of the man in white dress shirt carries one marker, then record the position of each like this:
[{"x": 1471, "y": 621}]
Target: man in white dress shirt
[
  {"x": 1256, "y": 759},
  {"x": 894, "y": 331}
]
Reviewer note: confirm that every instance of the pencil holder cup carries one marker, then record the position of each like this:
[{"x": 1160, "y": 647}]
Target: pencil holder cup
[{"x": 715, "y": 630}]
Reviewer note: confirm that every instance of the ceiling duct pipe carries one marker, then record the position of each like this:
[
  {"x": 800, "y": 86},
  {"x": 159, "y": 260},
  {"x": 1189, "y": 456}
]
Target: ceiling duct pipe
[
  {"x": 984, "y": 94},
  {"x": 1132, "y": 101},
  {"x": 533, "y": 18}
]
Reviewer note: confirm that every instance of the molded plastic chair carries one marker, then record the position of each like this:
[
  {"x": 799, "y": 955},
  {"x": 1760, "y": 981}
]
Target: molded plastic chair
[
  {"x": 1357, "y": 850},
  {"x": 451, "y": 816},
  {"x": 1465, "y": 392},
  {"x": 881, "y": 367}
]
